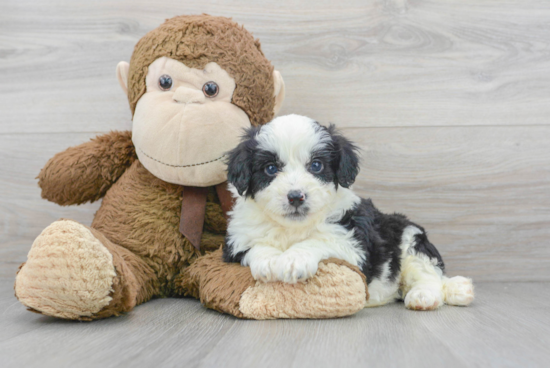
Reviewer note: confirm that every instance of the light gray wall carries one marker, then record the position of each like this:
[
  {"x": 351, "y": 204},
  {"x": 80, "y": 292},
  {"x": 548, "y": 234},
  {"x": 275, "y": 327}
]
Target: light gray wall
[{"x": 450, "y": 101}]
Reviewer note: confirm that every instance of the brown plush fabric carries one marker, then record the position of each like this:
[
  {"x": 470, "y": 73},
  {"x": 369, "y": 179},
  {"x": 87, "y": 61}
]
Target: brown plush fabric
[
  {"x": 226, "y": 198},
  {"x": 197, "y": 40},
  {"x": 85, "y": 172},
  {"x": 133, "y": 282},
  {"x": 217, "y": 284},
  {"x": 139, "y": 216},
  {"x": 338, "y": 289},
  {"x": 142, "y": 214}
]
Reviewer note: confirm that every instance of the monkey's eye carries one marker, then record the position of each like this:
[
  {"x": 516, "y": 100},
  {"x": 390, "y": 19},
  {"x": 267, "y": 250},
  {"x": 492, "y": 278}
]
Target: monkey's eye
[
  {"x": 210, "y": 89},
  {"x": 165, "y": 82},
  {"x": 271, "y": 170},
  {"x": 316, "y": 167}
]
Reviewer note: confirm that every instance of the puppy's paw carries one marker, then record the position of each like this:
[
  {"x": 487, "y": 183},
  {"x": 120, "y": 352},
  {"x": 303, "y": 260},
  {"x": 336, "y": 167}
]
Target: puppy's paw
[
  {"x": 423, "y": 299},
  {"x": 458, "y": 291},
  {"x": 262, "y": 270},
  {"x": 293, "y": 267}
]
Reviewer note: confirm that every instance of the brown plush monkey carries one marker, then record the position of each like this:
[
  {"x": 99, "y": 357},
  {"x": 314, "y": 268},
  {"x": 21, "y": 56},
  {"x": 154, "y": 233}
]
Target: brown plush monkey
[{"x": 193, "y": 84}]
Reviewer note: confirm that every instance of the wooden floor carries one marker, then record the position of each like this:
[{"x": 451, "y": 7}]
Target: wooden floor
[
  {"x": 449, "y": 101},
  {"x": 507, "y": 326}
]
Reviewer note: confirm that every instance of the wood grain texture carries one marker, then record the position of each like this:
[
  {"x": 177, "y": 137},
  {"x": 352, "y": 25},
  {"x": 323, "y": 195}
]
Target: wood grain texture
[
  {"x": 481, "y": 193},
  {"x": 507, "y": 326},
  {"x": 357, "y": 63},
  {"x": 450, "y": 101}
]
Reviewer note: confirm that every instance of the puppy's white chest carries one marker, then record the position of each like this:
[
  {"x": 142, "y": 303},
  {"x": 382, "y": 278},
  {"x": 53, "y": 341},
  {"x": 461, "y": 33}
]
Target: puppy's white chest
[{"x": 283, "y": 238}]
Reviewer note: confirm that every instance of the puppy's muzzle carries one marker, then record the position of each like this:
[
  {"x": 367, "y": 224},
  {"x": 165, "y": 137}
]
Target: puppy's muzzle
[{"x": 296, "y": 198}]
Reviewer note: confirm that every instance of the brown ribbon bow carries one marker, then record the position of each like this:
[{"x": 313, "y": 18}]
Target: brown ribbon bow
[{"x": 193, "y": 209}]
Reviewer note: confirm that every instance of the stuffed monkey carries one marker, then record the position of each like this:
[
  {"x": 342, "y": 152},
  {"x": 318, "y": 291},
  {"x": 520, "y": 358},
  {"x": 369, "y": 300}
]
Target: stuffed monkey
[{"x": 193, "y": 84}]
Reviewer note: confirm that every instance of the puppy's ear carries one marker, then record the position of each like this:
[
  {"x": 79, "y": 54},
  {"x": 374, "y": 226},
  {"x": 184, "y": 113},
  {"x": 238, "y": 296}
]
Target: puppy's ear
[
  {"x": 239, "y": 162},
  {"x": 346, "y": 159}
]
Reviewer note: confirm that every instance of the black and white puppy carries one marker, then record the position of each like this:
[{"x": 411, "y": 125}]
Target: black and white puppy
[{"x": 294, "y": 208}]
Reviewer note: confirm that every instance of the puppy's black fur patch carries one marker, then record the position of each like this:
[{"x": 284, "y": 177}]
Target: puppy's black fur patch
[
  {"x": 380, "y": 237},
  {"x": 345, "y": 158},
  {"x": 259, "y": 179},
  {"x": 228, "y": 255},
  {"x": 340, "y": 159},
  {"x": 239, "y": 162},
  {"x": 246, "y": 165}
]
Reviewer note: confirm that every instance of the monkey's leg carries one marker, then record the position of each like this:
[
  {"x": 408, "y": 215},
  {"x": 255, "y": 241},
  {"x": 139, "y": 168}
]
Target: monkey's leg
[
  {"x": 74, "y": 272},
  {"x": 338, "y": 289}
]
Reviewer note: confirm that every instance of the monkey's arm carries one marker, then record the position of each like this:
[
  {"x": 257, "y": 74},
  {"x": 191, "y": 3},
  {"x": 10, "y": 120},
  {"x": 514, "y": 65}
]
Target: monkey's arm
[{"x": 85, "y": 172}]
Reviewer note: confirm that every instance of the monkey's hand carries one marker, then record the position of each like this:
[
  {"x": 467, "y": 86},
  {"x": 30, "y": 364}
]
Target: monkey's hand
[{"x": 85, "y": 172}]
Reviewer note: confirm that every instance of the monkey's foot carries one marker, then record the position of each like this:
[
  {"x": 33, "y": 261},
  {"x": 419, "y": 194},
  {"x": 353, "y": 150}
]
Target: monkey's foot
[{"x": 69, "y": 273}]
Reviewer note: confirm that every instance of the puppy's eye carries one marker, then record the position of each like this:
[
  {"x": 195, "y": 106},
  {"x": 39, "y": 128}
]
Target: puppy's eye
[
  {"x": 271, "y": 170},
  {"x": 165, "y": 82},
  {"x": 316, "y": 166},
  {"x": 210, "y": 89}
]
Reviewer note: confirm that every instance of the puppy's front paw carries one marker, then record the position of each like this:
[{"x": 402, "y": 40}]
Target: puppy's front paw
[
  {"x": 262, "y": 270},
  {"x": 295, "y": 267}
]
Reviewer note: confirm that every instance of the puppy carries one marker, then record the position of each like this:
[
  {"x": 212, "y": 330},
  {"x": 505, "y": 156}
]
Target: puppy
[{"x": 294, "y": 207}]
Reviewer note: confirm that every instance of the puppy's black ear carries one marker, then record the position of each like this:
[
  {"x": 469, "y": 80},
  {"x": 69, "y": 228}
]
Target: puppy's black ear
[
  {"x": 346, "y": 159},
  {"x": 239, "y": 161}
]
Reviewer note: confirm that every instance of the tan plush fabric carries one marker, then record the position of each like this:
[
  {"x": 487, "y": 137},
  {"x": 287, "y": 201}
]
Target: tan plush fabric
[
  {"x": 68, "y": 273},
  {"x": 338, "y": 289},
  {"x": 185, "y": 142},
  {"x": 197, "y": 40},
  {"x": 335, "y": 291}
]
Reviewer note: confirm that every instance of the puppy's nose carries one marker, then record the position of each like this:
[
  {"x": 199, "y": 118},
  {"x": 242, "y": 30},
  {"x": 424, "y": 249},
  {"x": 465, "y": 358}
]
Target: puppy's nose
[{"x": 296, "y": 198}]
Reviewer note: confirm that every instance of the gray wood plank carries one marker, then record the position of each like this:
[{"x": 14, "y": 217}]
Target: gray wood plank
[
  {"x": 481, "y": 192},
  {"x": 23, "y": 213},
  {"x": 507, "y": 326},
  {"x": 365, "y": 63}
]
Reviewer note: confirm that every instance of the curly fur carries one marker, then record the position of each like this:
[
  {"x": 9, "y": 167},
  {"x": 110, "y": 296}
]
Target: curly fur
[{"x": 85, "y": 172}]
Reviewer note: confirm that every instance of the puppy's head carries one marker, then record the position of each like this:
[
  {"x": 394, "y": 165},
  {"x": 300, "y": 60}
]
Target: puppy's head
[{"x": 292, "y": 167}]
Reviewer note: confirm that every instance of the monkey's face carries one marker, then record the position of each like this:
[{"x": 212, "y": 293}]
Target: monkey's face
[{"x": 185, "y": 122}]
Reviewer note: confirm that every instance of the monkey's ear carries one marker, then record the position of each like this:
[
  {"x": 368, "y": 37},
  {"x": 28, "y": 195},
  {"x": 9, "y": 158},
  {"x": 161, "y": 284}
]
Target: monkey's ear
[
  {"x": 347, "y": 158},
  {"x": 122, "y": 75},
  {"x": 279, "y": 94}
]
